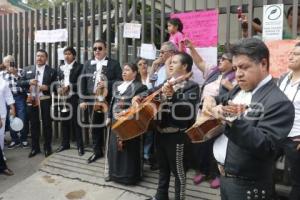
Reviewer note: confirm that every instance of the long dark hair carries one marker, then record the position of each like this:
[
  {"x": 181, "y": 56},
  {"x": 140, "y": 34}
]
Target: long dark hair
[
  {"x": 134, "y": 68},
  {"x": 176, "y": 22}
]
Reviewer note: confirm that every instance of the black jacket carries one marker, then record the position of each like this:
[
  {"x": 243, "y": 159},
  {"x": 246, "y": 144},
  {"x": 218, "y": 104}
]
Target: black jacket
[
  {"x": 74, "y": 75},
  {"x": 121, "y": 102},
  {"x": 29, "y": 73},
  {"x": 112, "y": 71},
  {"x": 179, "y": 111},
  {"x": 254, "y": 138}
]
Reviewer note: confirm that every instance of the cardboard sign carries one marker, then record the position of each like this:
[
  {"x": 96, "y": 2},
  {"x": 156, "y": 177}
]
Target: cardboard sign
[{"x": 200, "y": 27}]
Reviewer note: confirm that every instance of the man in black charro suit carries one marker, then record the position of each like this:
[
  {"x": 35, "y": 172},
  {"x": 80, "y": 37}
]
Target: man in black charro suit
[
  {"x": 100, "y": 65},
  {"x": 68, "y": 75},
  {"x": 41, "y": 76}
]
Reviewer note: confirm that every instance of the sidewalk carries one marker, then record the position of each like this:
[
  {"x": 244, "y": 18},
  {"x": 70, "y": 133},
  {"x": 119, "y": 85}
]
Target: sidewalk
[
  {"x": 22, "y": 166},
  {"x": 42, "y": 186},
  {"x": 66, "y": 175}
]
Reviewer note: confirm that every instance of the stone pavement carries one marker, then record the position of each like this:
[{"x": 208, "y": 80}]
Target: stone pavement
[
  {"x": 17, "y": 160},
  {"x": 42, "y": 186},
  {"x": 65, "y": 175}
]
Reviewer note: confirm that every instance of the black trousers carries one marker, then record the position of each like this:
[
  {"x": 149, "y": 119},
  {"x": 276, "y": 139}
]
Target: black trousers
[
  {"x": 2, "y": 162},
  {"x": 293, "y": 158},
  {"x": 96, "y": 121},
  {"x": 240, "y": 189},
  {"x": 34, "y": 120},
  {"x": 171, "y": 149},
  {"x": 71, "y": 125}
]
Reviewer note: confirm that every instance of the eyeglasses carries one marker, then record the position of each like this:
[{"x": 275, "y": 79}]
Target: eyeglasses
[
  {"x": 224, "y": 58},
  {"x": 163, "y": 52},
  {"x": 98, "y": 48}
]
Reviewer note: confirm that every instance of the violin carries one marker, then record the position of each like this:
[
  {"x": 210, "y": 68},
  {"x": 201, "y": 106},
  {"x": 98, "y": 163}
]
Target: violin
[{"x": 33, "y": 97}]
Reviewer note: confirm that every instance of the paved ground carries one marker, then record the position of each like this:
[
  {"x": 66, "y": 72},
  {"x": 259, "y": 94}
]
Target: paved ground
[
  {"x": 42, "y": 186},
  {"x": 18, "y": 161},
  {"x": 29, "y": 183}
]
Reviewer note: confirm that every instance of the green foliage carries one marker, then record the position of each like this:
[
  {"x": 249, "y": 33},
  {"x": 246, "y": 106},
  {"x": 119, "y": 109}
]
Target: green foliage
[{"x": 42, "y": 4}]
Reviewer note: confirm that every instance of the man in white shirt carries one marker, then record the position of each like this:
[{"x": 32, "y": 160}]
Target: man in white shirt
[
  {"x": 290, "y": 85},
  {"x": 253, "y": 128},
  {"x": 37, "y": 80},
  {"x": 6, "y": 98}
]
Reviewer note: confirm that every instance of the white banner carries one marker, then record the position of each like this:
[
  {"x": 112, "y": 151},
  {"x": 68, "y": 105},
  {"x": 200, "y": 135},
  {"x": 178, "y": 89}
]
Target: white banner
[
  {"x": 273, "y": 22},
  {"x": 51, "y": 36},
  {"x": 132, "y": 30}
]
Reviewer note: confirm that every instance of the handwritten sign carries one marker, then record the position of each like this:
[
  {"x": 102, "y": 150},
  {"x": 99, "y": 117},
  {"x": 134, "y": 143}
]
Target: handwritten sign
[
  {"x": 148, "y": 51},
  {"x": 60, "y": 53},
  {"x": 279, "y": 51},
  {"x": 272, "y": 22},
  {"x": 201, "y": 27},
  {"x": 132, "y": 30},
  {"x": 51, "y": 36}
]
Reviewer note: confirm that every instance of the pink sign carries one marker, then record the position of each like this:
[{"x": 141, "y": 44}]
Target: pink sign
[{"x": 200, "y": 27}]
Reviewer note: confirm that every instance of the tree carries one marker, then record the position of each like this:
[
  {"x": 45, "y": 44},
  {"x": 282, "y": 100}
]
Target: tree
[{"x": 42, "y": 4}]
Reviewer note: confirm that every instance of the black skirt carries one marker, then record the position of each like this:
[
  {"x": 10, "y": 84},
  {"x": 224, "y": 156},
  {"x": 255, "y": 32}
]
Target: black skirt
[{"x": 125, "y": 166}]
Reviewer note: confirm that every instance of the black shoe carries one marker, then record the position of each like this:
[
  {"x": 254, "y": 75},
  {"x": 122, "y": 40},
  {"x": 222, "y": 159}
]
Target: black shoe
[
  {"x": 33, "y": 153},
  {"x": 93, "y": 158},
  {"x": 153, "y": 166},
  {"x": 62, "y": 148},
  {"x": 80, "y": 151},
  {"x": 107, "y": 179},
  {"x": 48, "y": 153},
  {"x": 152, "y": 198}
]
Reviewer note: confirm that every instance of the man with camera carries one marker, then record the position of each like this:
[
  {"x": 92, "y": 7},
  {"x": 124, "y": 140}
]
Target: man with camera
[{"x": 11, "y": 75}]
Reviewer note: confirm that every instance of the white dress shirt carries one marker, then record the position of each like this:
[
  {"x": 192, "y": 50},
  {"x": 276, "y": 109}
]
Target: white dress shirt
[
  {"x": 123, "y": 87},
  {"x": 6, "y": 98},
  {"x": 98, "y": 72},
  {"x": 161, "y": 77},
  {"x": 291, "y": 90},
  {"x": 66, "y": 69},
  {"x": 243, "y": 97},
  {"x": 40, "y": 76}
]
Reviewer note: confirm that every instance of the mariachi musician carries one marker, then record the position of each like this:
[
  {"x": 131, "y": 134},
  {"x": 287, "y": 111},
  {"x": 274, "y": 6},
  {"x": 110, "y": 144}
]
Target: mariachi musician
[
  {"x": 37, "y": 80},
  {"x": 68, "y": 76},
  {"x": 177, "y": 114},
  {"x": 99, "y": 73},
  {"x": 257, "y": 118},
  {"x": 125, "y": 156}
]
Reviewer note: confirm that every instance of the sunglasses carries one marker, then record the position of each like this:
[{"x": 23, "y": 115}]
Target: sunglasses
[{"x": 98, "y": 48}]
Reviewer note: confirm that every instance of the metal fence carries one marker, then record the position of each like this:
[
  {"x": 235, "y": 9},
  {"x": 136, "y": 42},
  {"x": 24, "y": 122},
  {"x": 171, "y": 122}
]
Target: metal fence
[{"x": 87, "y": 20}]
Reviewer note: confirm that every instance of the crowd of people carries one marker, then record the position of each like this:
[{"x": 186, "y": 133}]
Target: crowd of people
[{"x": 259, "y": 115}]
